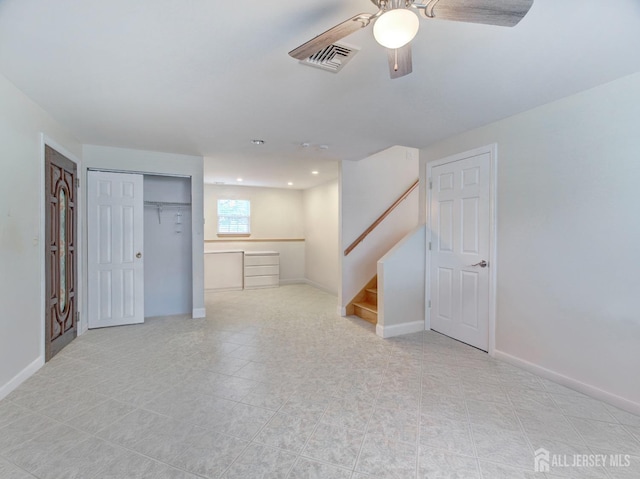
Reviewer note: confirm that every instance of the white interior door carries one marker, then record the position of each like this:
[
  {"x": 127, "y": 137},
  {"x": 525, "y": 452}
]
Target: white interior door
[
  {"x": 116, "y": 235},
  {"x": 460, "y": 245}
]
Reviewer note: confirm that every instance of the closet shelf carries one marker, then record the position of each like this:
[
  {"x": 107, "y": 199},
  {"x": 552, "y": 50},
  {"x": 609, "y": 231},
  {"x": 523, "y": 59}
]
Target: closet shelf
[{"x": 165, "y": 204}]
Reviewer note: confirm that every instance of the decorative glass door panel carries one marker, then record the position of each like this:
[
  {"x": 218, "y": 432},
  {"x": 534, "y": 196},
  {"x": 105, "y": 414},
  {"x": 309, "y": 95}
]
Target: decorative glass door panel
[{"x": 61, "y": 252}]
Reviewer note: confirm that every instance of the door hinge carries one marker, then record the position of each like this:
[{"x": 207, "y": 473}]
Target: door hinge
[
  {"x": 430, "y": 184},
  {"x": 429, "y": 245},
  {"x": 77, "y": 182},
  {"x": 429, "y": 305},
  {"x": 77, "y": 317}
]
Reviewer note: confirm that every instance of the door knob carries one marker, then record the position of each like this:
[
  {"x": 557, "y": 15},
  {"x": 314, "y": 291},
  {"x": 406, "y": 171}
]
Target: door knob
[
  {"x": 482, "y": 264},
  {"x": 138, "y": 255}
]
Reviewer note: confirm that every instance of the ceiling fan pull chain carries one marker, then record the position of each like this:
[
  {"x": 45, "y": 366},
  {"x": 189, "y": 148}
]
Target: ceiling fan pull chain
[{"x": 395, "y": 65}]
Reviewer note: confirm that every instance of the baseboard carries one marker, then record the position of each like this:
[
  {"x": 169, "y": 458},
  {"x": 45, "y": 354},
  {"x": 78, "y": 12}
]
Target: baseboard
[
  {"x": 284, "y": 282},
  {"x": 83, "y": 327},
  {"x": 342, "y": 311},
  {"x": 399, "y": 329},
  {"x": 320, "y": 287},
  {"x": 199, "y": 313},
  {"x": 21, "y": 377},
  {"x": 219, "y": 290},
  {"x": 597, "y": 393}
]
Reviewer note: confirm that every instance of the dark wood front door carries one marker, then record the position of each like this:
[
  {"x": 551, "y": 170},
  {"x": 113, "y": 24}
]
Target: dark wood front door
[{"x": 60, "y": 244}]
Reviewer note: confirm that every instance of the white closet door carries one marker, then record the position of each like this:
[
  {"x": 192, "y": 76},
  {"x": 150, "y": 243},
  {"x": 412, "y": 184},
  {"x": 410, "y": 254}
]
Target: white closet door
[{"x": 116, "y": 236}]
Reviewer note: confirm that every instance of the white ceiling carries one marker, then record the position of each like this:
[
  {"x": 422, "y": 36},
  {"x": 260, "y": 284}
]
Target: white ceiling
[{"x": 204, "y": 77}]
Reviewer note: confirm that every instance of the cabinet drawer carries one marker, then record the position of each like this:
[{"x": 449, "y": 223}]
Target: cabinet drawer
[
  {"x": 261, "y": 281},
  {"x": 255, "y": 260},
  {"x": 261, "y": 270}
]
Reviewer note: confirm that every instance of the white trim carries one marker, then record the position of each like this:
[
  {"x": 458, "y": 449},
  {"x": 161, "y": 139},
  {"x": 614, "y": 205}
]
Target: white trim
[
  {"x": 41, "y": 252},
  {"x": 136, "y": 172},
  {"x": 342, "y": 311},
  {"x": 493, "y": 247},
  {"x": 284, "y": 282},
  {"x": 21, "y": 377},
  {"x": 399, "y": 329},
  {"x": 80, "y": 305},
  {"x": 218, "y": 290},
  {"x": 319, "y": 286},
  {"x": 199, "y": 313},
  {"x": 622, "y": 403},
  {"x": 492, "y": 150}
]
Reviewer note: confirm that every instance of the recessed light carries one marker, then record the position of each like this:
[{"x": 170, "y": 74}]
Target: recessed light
[
  {"x": 324, "y": 147},
  {"x": 314, "y": 172},
  {"x": 257, "y": 142},
  {"x": 290, "y": 184},
  {"x": 239, "y": 179},
  {"x": 305, "y": 145}
]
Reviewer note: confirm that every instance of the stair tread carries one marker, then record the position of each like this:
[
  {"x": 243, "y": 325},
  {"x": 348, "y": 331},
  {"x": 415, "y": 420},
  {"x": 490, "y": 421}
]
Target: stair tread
[
  {"x": 373, "y": 290},
  {"x": 368, "y": 306}
]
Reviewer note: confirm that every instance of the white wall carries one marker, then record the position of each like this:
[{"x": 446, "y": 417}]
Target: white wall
[
  {"x": 401, "y": 276},
  {"x": 568, "y": 238},
  {"x": 321, "y": 229},
  {"x": 21, "y": 250},
  {"x": 276, "y": 214},
  {"x": 121, "y": 159},
  {"x": 167, "y": 247},
  {"x": 368, "y": 187}
]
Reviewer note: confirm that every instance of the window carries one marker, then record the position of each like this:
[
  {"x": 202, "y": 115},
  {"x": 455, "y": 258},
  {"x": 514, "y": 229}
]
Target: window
[{"x": 233, "y": 217}]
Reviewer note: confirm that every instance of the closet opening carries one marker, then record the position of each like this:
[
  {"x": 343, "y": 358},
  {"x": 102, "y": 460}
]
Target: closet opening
[
  {"x": 140, "y": 258},
  {"x": 168, "y": 284}
]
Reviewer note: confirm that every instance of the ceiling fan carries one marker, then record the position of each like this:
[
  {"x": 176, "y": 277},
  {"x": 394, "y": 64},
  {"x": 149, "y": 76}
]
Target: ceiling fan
[{"x": 396, "y": 23}]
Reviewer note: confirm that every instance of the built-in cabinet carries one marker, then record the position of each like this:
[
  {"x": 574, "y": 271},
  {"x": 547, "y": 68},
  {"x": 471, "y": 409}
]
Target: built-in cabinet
[
  {"x": 238, "y": 269},
  {"x": 261, "y": 269},
  {"x": 223, "y": 270}
]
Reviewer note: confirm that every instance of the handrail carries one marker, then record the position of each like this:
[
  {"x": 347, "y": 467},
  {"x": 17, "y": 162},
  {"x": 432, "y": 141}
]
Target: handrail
[{"x": 388, "y": 211}]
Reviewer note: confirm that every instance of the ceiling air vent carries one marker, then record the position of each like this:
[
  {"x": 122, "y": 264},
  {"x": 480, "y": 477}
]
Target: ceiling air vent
[{"x": 332, "y": 58}]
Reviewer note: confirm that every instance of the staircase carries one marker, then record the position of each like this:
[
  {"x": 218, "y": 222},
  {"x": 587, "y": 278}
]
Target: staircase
[{"x": 365, "y": 304}]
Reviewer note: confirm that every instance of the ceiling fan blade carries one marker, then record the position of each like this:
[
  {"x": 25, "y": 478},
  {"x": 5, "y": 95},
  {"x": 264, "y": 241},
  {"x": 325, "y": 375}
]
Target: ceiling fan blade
[
  {"x": 400, "y": 61},
  {"x": 331, "y": 36},
  {"x": 504, "y": 13}
]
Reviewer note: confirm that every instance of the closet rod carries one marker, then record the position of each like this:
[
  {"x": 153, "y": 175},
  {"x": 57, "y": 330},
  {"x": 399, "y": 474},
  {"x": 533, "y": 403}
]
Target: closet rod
[{"x": 164, "y": 204}]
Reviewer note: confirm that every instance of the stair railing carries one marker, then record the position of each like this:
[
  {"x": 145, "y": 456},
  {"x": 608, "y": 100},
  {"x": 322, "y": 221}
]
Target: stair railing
[{"x": 387, "y": 212}]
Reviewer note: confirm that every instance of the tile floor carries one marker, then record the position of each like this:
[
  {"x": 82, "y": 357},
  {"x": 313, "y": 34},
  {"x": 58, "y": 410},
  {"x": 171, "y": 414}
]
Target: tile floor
[{"x": 273, "y": 384}]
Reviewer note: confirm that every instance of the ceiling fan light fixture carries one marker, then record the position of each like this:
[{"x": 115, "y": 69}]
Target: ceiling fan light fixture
[{"x": 395, "y": 28}]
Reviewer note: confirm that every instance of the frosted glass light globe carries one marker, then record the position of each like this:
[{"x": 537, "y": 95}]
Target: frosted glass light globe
[{"x": 396, "y": 28}]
